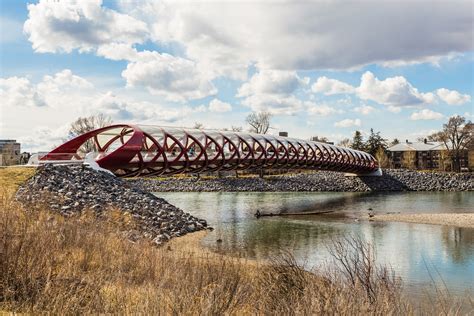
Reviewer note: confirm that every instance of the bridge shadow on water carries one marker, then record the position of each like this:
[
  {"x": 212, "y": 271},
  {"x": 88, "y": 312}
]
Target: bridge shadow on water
[{"x": 385, "y": 182}]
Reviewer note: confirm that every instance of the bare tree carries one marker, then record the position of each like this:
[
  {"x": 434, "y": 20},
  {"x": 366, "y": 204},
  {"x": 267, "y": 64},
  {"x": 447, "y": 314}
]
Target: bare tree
[
  {"x": 457, "y": 135},
  {"x": 382, "y": 157},
  {"x": 86, "y": 124},
  {"x": 236, "y": 128},
  {"x": 198, "y": 125},
  {"x": 346, "y": 142},
  {"x": 409, "y": 159},
  {"x": 394, "y": 142},
  {"x": 259, "y": 122},
  {"x": 320, "y": 139}
]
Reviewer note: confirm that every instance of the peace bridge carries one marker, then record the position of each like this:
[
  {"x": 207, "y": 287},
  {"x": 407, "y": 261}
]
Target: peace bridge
[{"x": 144, "y": 150}]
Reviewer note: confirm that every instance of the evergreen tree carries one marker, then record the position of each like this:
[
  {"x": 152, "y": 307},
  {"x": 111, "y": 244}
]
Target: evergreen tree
[
  {"x": 394, "y": 142},
  {"x": 374, "y": 142},
  {"x": 358, "y": 141}
]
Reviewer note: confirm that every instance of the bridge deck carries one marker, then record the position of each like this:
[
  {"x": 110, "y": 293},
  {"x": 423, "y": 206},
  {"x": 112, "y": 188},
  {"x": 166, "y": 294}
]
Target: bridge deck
[{"x": 129, "y": 150}]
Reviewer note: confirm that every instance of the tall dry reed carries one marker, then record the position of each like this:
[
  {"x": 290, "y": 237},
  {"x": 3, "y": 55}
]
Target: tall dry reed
[{"x": 85, "y": 264}]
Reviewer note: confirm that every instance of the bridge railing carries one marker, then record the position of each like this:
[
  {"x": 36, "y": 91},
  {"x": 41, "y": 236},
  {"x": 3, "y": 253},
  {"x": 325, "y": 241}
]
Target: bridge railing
[{"x": 129, "y": 150}]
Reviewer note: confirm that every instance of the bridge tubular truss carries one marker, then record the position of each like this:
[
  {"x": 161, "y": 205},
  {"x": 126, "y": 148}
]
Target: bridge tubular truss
[{"x": 143, "y": 150}]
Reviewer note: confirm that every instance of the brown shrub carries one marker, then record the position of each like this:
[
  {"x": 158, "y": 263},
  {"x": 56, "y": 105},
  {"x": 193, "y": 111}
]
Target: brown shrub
[{"x": 85, "y": 264}]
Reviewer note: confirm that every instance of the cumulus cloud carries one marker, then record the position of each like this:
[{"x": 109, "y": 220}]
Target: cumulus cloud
[
  {"x": 331, "y": 86},
  {"x": 394, "y": 91},
  {"x": 50, "y": 91},
  {"x": 44, "y": 138},
  {"x": 63, "y": 80},
  {"x": 364, "y": 109},
  {"x": 453, "y": 97},
  {"x": 426, "y": 114},
  {"x": 394, "y": 109},
  {"x": 308, "y": 35},
  {"x": 174, "y": 78},
  {"x": 348, "y": 123},
  {"x": 275, "y": 104},
  {"x": 272, "y": 82},
  {"x": 217, "y": 105},
  {"x": 117, "y": 51},
  {"x": 62, "y": 26},
  {"x": 322, "y": 110},
  {"x": 272, "y": 90},
  {"x": 19, "y": 92},
  {"x": 64, "y": 90}
]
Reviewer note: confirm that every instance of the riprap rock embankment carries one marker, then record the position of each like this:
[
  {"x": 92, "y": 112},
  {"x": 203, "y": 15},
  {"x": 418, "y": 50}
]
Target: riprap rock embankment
[
  {"x": 72, "y": 189},
  {"x": 391, "y": 180}
]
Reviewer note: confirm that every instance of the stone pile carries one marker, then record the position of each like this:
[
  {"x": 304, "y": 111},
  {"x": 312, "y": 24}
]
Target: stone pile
[
  {"x": 392, "y": 180},
  {"x": 72, "y": 189}
]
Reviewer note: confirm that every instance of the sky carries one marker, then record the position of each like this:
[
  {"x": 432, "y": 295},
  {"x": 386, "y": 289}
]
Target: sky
[{"x": 322, "y": 68}]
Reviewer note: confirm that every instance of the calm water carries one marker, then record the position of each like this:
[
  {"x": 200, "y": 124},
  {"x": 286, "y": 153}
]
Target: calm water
[{"x": 418, "y": 253}]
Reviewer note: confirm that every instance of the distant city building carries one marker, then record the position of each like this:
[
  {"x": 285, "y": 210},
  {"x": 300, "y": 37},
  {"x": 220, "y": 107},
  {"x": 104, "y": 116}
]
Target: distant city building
[
  {"x": 422, "y": 155},
  {"x": 283, "y": 134},
  {"x": 321, "y": 140},
  {"x": 10, "y": 152}
]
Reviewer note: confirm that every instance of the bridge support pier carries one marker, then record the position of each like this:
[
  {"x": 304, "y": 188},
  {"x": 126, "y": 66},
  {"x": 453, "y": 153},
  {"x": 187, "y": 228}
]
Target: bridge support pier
[{"x": 376, "y": 173}]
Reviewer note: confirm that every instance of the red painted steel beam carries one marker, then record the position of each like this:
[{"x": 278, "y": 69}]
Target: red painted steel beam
[{"x": 130, "y": 150}]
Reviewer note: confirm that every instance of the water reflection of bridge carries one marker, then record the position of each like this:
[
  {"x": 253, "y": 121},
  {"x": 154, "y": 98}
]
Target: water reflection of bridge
[{"x": 129, "y": 150}]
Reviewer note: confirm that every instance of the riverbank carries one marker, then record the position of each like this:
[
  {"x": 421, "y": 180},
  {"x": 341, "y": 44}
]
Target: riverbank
[
  {"x": 70, "y": 190},
  {"x": 458, "y": 220},
  {"x": 322, "y": 181},
  {"x": 84, "y": 264}
]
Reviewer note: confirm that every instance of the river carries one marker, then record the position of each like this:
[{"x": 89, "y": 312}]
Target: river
[{"x": 424, "y": 256}]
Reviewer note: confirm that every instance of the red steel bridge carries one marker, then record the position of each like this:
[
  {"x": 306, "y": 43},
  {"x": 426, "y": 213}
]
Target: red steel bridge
[{"x": 143, "y": 150}]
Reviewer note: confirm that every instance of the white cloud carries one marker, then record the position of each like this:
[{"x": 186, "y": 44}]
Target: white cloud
[
  {"x": 364, "y": 109},
  {"x": 62, "y": 81},
  {"x": 394, "y": 91},
  {"x": 348, "y": 123},
  {"x": 174, "y": 78},
  {"x": 322, "y": 110},
  {"x": 19, "y": 92},
  {"x": 394, "y": 109},
  {"x": 271, "y": 82},
  {"x": 109, "y": 105},
  {"x": 426, "y": 114},
  {"x": 275, "y": 104},
  {"x": 44, "y": 138},
  {"x": 272, "y": 90},
  {"x": 217, "y": 105},
  {"x": 331, "y": 86},
  {"x": 227, "y": 36},
  {"x": 60, "y": 90},
  {"x": 62, "y": 26},
  {"x": 66, "y": 92},
  {"x": 117, "y": 51},
  {"x": 453, "y": 97},
  {"x": 61, "y": 98}
]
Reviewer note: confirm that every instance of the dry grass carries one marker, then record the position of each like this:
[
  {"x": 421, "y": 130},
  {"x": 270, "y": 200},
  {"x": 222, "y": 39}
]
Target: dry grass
[
  {"x": 12, "y": 177},
  {"x": 84, "y": 264}
]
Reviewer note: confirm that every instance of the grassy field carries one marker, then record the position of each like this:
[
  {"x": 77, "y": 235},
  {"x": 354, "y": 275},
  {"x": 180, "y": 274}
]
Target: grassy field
[
  {"x": 12, "y": 177},
  {"x": 84, "y": 264}
]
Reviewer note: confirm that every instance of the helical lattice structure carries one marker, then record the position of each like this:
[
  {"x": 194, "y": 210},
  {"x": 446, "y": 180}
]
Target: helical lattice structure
[{"x": 129, "y": 150}]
